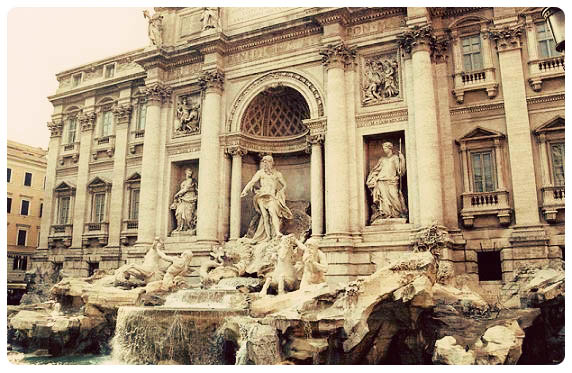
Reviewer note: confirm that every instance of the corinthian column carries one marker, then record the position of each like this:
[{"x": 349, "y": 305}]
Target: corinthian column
[
  {"x": 335, "y": 58},
  {"x": 317, "y": 184},
  {"x": 157, "y": 94},
  {"x": 122, "y": 115},
  {"x": 209, "y": 180},
  {"x": 417, "y": 42},
  {"x": 235, "y": 188}
]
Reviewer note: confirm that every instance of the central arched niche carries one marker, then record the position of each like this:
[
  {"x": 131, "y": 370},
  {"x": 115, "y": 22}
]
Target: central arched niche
[{"x": 276, "y": 113}]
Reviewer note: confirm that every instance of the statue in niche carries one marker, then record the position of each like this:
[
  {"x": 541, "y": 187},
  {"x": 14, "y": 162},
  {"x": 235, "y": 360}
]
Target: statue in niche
[
  {"x": 185, "y": 204},
  {"x": 188, "y": 115},
  {"x": 209, "y": 18},
  {"x": 381, "y": 80},
  {"x": 269, "y": 200},
  {"x": 384, "y": 181},
  {"x": 155, "y": 28}
]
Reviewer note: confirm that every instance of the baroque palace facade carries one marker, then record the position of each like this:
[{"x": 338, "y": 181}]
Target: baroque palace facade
[{"x": 453, "y": 115}]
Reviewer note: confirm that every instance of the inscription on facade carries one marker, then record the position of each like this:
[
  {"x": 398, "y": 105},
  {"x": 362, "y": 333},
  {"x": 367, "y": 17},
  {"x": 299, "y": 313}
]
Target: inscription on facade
[
  {"x": 273, "y": 50},
  {"x": 377, "y": 27}
]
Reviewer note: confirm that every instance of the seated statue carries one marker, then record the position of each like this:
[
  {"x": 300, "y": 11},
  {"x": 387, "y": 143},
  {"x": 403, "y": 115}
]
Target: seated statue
[
  {"x": 174, "y": 277},
  {"x": 134, "y": 275},
  {"x": 315, "y": 264},
  {"x": 284, "y": 277}
]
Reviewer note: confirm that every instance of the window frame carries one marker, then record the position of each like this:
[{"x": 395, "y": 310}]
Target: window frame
[
  {"x": 494, "y": 174},
  {"x": 98, "y": 215},
  {"x": 72, "y": 119},
  {"x": 25, "y": 230},
  {"x": 9, "y": 205},
  {"x": 22, "y": 206},
  {"x": 59, "y": 210},
  {"x": 9, "y": 175},
  {"x": 472, "y": 53},
  {"x": 141, "y": 108},
  {"x": 76, "y": 82},
  {"x": 109, "y": 67},
  {"x": 548, "y": 39},
  {"x": 25, "y": 178},
  {"x": 551, "y": 161}
]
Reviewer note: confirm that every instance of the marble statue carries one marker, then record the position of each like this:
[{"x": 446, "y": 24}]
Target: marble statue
[
  {"x": 155, "y": 27},
  {"x": 133, "y": 275},
  {"x": 174, "y": 276},
  {"x": 384, "y": 181},
  {"x": 185, "y": 203},
  {"x": 269, "y": 200},
  {"x": 284, "y": 276},
  {"x": 209, "y": 18},
  {"x": 381, "y": 80},
  {"x": 315, "y": 264},
  {"x": 188, "y": 115}
]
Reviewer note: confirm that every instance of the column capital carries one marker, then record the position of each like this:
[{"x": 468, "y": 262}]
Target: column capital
[
  {"x": 507, "y": 37},
  {"x": 122, "y": 113},
  {"x": 439, "y": 50},
  {"x": 416, "y": 38},
  {"x": 55, "y": 128},
  {"x": 316, "y": 139},
  {"x": 337, "y": 55},
  {"x": 157, "y": 92},
  {"x": 87, "y": 120},
  {"x": 211, "y": 79},
  {"x": 235, "y": 151}
]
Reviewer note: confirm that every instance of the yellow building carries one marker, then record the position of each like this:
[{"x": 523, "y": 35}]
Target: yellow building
[{"x": 25, "y": 187}]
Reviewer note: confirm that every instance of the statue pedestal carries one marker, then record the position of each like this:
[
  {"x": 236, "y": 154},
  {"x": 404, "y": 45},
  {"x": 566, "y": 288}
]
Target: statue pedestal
[
  {"x": 189, "y": 233},
  {"x": 389, "y": 221}
]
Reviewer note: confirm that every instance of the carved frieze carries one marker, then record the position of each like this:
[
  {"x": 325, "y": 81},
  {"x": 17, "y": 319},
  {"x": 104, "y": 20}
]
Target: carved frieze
[
  {"x": 375, "y": 119},
  {"x": 380, "y": 79},
  {"x": 157, "y": 92},
  {"x": 87, "y": 120},
  {"x": 188, "y": 115},
  {"x": 507, "y": 37},
  {"x": 337, "y": 55},
  {"x": 211, "y": 79},
  {"x": 264, "y": 145},
  {"x": 122, "y": 113}
]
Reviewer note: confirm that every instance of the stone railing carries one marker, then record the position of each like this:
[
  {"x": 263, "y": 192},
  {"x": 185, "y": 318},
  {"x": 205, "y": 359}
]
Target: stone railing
[
  {"x": 553, "y": 199},
  {"x": 68, "y": 148},
  {"x": 99, "y": 231},
  {"x": 129, "y": 225},
  {"x": 546, "y": 68},
  {"x": 97, "y": 228},
  {"x": 485, "y": 203},
  {"x": 466, "y": 81},
  {"x": 61, "y": 230},
  {"x": 138, "y": 134}
]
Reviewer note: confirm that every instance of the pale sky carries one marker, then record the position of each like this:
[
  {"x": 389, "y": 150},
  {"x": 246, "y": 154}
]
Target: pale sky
[{"x": 45, "y": 41}]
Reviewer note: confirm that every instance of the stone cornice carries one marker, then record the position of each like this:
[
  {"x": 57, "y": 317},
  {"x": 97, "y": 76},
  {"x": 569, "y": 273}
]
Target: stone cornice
[
  {"x": 375, "y": 119},
  {"x": 477, "y": 108},
  {"x": 372, "y": 14},
  {"x": 341, "y": 15},
  {"x": 452, "y": 11},
  {"x": 211, "y": 79},
  {"x": 269, "y": 145},
  {"x": 335, "y": 55},
  {"x": 545, "y": 99},
  {"x": 507, "y": 37},
  {"x": 186, "y": 147}
]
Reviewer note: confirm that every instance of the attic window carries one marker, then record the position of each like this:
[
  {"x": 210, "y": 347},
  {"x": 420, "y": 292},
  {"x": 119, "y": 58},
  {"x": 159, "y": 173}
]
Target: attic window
[
  {"x": 76, "y": 79},
  {"x": 109, "y": 70},
  {"x": 489, "y": 266}
]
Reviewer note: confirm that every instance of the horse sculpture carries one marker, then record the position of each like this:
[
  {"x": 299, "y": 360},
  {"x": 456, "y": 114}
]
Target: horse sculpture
[{"x": 285, "y": 276}]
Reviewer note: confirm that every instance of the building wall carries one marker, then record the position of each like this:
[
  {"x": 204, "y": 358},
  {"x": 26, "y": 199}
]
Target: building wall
[{"x": 438, "y": 113}]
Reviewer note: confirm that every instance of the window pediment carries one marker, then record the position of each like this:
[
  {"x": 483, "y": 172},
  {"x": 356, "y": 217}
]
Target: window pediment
[
  {"x": 65, "y": 187},
  {"x": 480, "y": 134},
  {"x": 98, "y": 184},
  {"x": 555, "y": 124}
]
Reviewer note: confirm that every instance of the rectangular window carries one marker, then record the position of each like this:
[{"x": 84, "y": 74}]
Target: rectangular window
[
  {"x": 72, "y": 126},
  {"x": 141, "y": 116},
  {"x": 76, "y": 80},
  {"x": 106, "y": 123},
  {"x": 9, "y": 177},
  {"x": 63, "y": 210},
  {"x": 546, "y": 45},
  {"x": 20, "y": 263},
  {"x": 489, "y": 265},
  {"x": 557, "y": 153},
  {"x": 9, "y": 204},
  {"x": 25, "y": 207},
  {"x": 98, "y": 207},
  {"x": 28, "y": 179},
  {"x": 472, "y": 57},
  {"x": 41, "y": 209},
  {"x": 109, "y": 70},
  {"x": 22, "y": 237},
  {"x": 134, "y": 205},
  {"x": 483, "y": 171}
]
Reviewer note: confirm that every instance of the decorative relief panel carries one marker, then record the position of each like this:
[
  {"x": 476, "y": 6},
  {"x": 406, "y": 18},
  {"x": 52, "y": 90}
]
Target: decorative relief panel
[
  {"x": 380, "y": 82},
  {"x": 188, "y": 115}
]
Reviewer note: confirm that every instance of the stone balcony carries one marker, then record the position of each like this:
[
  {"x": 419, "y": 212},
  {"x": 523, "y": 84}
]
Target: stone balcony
[
  {"x": 546, "y": 68},
  {"x": 60, "y": 232},
  {"x": 485, "y": 203},
  {"x": 473, "y": 81},
  {"x": 98, "y": 231},
  {"x": 71, "y": 148},
  {"x": 129, "y": 230},
  {"x": 103, "y": 145},
  {"x": 552, "y": 201}
]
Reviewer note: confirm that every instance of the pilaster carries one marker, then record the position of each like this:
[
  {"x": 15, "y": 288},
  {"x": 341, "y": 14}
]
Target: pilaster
[{"x": 236, "y": 152}]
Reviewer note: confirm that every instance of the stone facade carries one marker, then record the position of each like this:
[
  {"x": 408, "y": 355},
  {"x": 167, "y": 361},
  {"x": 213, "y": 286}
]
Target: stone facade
[
  {"x": 472, "y": 97},
  {"x": 25, "y": 202}
]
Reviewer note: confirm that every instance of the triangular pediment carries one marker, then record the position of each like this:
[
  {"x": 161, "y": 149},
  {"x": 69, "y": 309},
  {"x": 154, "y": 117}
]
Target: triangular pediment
[
  {"x": 555, "y": 124},
  {"x": 64, "y": 186},
  {"x": 480, "y": 133},
  {"x": 135, "y": 178},
  {"x": 98, "y": 180}
]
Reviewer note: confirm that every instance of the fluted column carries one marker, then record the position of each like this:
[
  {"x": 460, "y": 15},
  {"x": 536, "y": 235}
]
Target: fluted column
[
  {"x": 544, "y": 165},
  {"x": 81, "y": 204},
  {"x": 316, "y": 184},
  {"x": 335, "y": 58},
  {"x": 209, "y": 180},
  {"x": 417, "y": 41},
  {"x": 122, "y": 115},
  {"x": 235, "y": 188},
  {"x": 517, "y": 124},
  {"x": 157, "y": 94},
  {"x": 467, "y": 186},
  {"x": 48, "y": 218}
]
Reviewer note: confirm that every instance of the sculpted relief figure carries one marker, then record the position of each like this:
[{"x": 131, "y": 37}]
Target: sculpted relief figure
[
  {"x": 209, "y": 18},
  {"x": 174, "y": 277},
  {"x": 132, "y": 275},
  {"x": 315, "y": 264},
  {"x": 185, "y": 203},
  {"x": 384, "y": 182},
  {"x": 269, "y": 200},
  {"x": 155, "y": 27},
  {"x": 188, "y": 116},
  {"x": 380, "y": 80}
]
